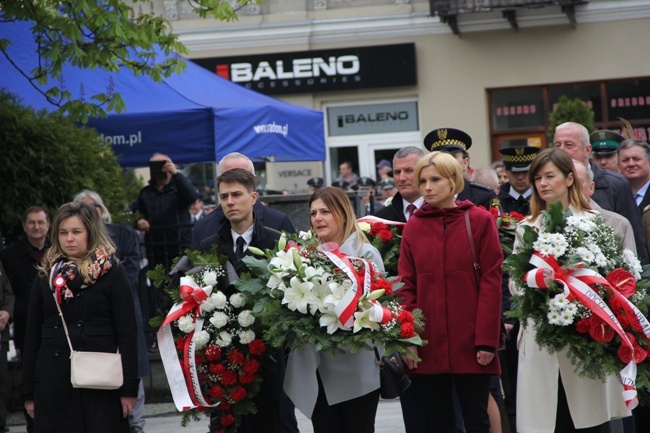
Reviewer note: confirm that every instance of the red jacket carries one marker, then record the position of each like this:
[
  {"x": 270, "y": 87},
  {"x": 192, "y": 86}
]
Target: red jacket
[{"x": 436, "y": 266}]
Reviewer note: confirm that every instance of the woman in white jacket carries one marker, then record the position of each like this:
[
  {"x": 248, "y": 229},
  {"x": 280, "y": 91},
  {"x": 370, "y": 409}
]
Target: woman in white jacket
[
  {"x": 551, "y": 397},
  {"x": 340, "y": 394}
]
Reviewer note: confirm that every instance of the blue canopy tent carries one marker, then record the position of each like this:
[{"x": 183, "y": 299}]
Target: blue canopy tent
[{"x": 195, "y": 116}]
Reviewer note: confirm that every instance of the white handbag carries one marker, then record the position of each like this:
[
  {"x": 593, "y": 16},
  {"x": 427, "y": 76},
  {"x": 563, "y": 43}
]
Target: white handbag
[{"x": 93, "y": 370}]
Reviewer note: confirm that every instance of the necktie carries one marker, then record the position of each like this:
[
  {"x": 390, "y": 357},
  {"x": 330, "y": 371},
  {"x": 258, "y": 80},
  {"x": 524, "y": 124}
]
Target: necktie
[
  {"x": 239, "y": 252},
  {"x": 410, "y": 209}
]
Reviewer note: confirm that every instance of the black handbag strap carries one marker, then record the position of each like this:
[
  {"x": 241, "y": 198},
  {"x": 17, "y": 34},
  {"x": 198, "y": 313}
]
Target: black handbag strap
[
  {"x": 477, "y": 266},
  {"x": 377, "y": 357}
]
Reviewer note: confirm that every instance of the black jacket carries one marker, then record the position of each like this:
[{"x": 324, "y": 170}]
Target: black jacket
[
  {"x": 101, "y": 318},
  {"x": 394, "y": 211},
  {"x": 213, "y": 222},
  {"x": 478, "y": 194},
  {"x": 509, "y": 204},
  {"x": 614, "y": 193},
  {"x": 168, "y": 206},
  {"x": 20, "y": 261}
]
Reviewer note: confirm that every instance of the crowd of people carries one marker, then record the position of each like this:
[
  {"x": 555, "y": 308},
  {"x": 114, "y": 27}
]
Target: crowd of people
[{"x": 450, "y": 264}]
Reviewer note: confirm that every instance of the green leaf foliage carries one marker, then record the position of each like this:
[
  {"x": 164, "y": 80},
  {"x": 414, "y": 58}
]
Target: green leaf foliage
[
  {"x": 47, "y": 159},
  {"x": 109, "y": 35},
  {"x": 568, "y": 110}
]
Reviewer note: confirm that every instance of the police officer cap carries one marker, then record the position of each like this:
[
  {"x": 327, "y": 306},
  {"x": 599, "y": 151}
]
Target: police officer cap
[
  {"x": 518, "y": 154},
  {"x": 316, "y": 182},
  {"x": 366, "y": 182},
  {"x": 447, "y": 140},
  {"x": 384, "y": 163},
  {"x": 605, "y": 142},
  {"x": 341, "y": 184},
  {"x": 387, "y": 184}
]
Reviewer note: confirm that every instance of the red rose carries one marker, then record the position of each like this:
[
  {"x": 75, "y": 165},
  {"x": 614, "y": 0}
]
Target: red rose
[
  {"x": 407, "y": 330},
  {"x": 217, "y": 369},
  {"x": 623, "y": 281},
  {"x": 517, "y": 216},
  {"x": 235, "y": 357},
  {"x": 377, "y": 227},
  {"x": 217, "y": 392},
  {"x": 227, "y": 419},
  {"x": 256, "y": 347},
  {"x": 379, "y": 284},
  {"x": 238, "y": 394},
  {"x": 583, "y": 326},
  {"x": 251, "y": 366},
  {"x": 224, "y": 406},
  {"x": 212, "y": 353},
  {"x": 228, "y": 378},
  {"x": 494, "y": 211},
  {"x": 247, "y": 378},
  {"x": 405, "y": 316},
  {"x": 385, "y": 235},
  {"x": 599, "y": 330}
]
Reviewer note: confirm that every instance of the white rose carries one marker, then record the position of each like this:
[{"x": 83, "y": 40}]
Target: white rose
[
  {"x": 219, "y": 299},
  {"x": 246, "y": 336},
  {"x": 219, "y": 319},
  {"x": 210, "y": 278},
  {"x": 224, "y": 339},
  {"x": 238, "y": 300},
  {"x": 246, "y": 318},
  {"x": 186, "y": 324},
  {"x": 201, "y": 339}
]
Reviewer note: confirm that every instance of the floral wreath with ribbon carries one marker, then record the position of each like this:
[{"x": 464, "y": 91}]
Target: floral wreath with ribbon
[
  {"x": 583, "y": 291},
  {"x": 314, "y": 294},
  {"x": 209, "y": 342}
]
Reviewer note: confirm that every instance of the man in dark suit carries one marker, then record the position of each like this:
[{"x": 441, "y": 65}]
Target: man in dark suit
[
  {"x": 400, "y": 207},
  {"x": 613, "y": 192},
  {"x": 408, "y": 195},
  {"x": 20, "y": 260},
  {"x": 242, "y": 229},
  {"x": 456, "y": 143},
  {"x": 212, "y": 223}
]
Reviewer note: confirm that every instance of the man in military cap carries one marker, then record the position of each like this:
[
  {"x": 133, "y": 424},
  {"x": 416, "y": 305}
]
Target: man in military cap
[
  {"x": 341, "y": 184},
  {"x": 315, "y": 183},
  {"x": 388, "y": 189},
  {"x": 604, "y": 148},
  {"x": 456, "y": 142},
  {"x": 514, "y": 195}
]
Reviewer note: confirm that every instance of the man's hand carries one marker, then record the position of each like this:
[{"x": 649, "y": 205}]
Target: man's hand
[
  {"x": 170, "y": 167},
  {"x": 128, "y": 403},
  {"x": 143, "y": 225}
]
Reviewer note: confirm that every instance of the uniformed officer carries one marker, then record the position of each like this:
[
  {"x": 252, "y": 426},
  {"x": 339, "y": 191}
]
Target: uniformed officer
[
  {"x": 456, "y": 142},
  {"x": 315, "y": 183},
  {"x": 341, "y": 184},
  {"x": 515, "y": 194},
  {"x": 366, "y": 188},
  {"x": 604, "y": 148}
]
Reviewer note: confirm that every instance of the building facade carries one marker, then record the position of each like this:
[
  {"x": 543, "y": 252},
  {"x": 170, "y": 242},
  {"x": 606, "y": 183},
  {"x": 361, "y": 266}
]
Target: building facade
[{"x": 386, "y": 72}]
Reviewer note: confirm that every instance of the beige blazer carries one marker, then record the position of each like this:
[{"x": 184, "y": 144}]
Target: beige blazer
[{"x": 591, "y": 402}]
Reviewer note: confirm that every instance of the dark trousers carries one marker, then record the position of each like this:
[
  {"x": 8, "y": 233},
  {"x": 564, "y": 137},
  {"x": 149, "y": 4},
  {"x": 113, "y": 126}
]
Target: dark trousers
[
  {"x": 472, "y": 391},
  {"x": 417, "y": 418},
  {"x": 351, "y": 416}
]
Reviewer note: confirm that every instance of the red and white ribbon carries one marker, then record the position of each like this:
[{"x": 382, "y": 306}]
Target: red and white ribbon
[
  {"x": 347, "y": 306},
  {"x": 182, "y": 377},
  {"x": 576, "y": 285}
]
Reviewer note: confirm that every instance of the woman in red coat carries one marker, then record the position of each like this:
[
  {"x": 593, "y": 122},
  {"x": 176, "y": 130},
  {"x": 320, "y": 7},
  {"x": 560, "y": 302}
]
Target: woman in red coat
[{"x": 462, "y": 317}]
